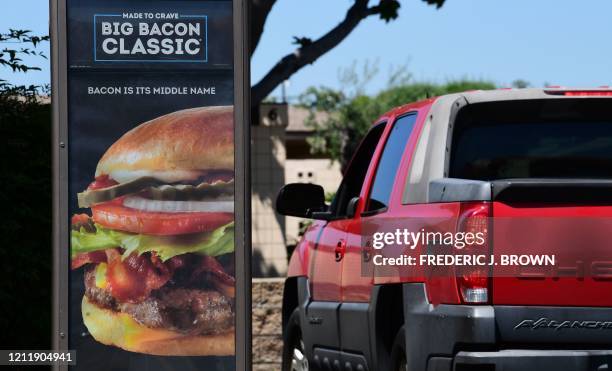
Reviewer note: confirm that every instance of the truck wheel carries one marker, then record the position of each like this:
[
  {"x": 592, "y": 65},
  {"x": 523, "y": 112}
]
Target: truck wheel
[
  {"x": 398, "y": 352},
  {"x": 294, "y": 357}
]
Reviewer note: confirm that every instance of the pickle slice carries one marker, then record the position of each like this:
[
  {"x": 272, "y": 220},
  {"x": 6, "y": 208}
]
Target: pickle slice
[
  {"x": 157, "y": 190},
  {"x": 92, "y": 197},
  {"x": 186, "y": 192}
]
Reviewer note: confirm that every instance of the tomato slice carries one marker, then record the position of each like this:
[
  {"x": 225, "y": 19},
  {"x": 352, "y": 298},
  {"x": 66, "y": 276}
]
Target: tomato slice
[{"x": 115, "y": 216}]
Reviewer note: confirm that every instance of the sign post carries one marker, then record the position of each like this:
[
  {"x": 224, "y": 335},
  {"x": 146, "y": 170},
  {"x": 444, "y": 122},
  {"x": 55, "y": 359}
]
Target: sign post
[{"x": 151, "y": 183}]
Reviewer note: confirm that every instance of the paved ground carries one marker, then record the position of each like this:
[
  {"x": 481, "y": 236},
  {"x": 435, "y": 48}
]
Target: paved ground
[{"x": 267, "y": 318}]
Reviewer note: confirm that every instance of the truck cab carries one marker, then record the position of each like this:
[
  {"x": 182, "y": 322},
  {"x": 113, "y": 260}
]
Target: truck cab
[{"x": 528, "y": 170}]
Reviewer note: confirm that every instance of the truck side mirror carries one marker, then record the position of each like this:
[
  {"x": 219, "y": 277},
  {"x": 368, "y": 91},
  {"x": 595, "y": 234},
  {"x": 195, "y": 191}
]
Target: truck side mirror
[
  {"x": 351, "y": 208},
  {"x": 304, "y": 200}
]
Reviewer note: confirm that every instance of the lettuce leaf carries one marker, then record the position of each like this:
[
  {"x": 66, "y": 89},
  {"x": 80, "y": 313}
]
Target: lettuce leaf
[{"x": 218, "y": 242}]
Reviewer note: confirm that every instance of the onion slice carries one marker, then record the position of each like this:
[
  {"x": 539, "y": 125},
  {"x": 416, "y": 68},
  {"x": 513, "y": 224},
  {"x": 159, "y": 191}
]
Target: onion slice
[{"x": 144, "y": 204}]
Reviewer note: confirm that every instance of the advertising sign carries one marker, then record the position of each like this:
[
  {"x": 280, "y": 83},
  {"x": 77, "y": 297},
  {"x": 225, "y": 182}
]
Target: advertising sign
[{"x": 149, "y": 100}]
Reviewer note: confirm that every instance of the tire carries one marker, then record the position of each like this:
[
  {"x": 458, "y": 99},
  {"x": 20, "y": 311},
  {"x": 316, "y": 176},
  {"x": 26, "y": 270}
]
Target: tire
[
  {"x": 398, "y": 352},
  {"x": 294, "y": 357}
]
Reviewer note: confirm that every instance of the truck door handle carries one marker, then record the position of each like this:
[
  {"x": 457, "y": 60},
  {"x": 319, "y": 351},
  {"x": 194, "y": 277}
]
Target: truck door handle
[
  {"x": 366, "y": 253},
  {"x": 340, "y": 250}
]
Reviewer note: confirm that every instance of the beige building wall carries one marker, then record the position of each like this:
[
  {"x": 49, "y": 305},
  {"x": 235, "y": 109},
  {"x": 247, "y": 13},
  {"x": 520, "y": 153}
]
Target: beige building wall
[
  {"x": 280, "y": 126},
  {"x": 267, "y": 177}
]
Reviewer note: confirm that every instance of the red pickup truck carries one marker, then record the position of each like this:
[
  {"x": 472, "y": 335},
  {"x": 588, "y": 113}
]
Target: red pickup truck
[{"x": 527, "y": 169}]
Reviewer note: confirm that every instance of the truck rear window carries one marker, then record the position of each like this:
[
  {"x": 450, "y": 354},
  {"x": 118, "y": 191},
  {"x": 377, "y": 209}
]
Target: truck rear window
[{"x": 564, "y": 138}]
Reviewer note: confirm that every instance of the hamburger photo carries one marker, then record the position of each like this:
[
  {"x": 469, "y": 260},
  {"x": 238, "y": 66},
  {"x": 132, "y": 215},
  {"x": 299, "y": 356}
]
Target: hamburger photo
[{"x": 157, "y": 241}]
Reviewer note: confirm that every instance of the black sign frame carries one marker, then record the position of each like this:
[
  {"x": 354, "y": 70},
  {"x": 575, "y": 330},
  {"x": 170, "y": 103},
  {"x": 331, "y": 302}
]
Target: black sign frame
[{"x": 61, "y": 227}]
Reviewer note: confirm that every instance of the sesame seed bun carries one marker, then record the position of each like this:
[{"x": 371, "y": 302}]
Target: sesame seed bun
[{"x": 174, "y": 147}]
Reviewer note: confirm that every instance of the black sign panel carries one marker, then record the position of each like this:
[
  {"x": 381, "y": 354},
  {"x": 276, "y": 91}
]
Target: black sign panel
[
  {"x": 155, "y": 34},
  {"x": 149, "y": 101}
]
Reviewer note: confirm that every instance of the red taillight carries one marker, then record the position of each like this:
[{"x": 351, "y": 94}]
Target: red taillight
[
  {"x": 581, "y": 93},
  {"x": 473, "y": 280},
  {"x": 588, "y": 94}
]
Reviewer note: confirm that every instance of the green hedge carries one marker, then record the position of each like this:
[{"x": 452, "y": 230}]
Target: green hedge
[{"x": 25, "y": 224}]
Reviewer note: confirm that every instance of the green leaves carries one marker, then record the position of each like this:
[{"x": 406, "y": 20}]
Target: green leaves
[
  {"x": 217, "y": 242},
  {"x": 388, "y": 9},
  {"x": 339, "y": 122},
  {"x": 437, "y": 3},
  {"x": 11, "y": 57},
  {"x": 26, "y": 131},
  {"x": 301, "y": 41}
]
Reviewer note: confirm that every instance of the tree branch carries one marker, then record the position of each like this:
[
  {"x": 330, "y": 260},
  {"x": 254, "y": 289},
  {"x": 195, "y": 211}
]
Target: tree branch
[
  {"x": 307, "y": 54},
  {"x": 259, "y": 14}
]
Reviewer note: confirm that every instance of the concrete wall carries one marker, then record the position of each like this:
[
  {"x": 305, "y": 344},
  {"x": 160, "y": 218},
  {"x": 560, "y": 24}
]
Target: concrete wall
[
  {"x": 277, "y": 128},
  {"x": 267, "y": 177}
]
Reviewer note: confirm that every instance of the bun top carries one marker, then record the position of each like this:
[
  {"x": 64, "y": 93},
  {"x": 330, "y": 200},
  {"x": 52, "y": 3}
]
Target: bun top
[{"x": 178, "y": 146}]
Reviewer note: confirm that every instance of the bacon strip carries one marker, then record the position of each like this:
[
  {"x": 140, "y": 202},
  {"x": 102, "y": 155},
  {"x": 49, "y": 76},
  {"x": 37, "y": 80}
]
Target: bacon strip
[
  {"x": 214, "y": 272},
  {"x": 133, "y": 279},
  {"x": 89, "y": 257}
]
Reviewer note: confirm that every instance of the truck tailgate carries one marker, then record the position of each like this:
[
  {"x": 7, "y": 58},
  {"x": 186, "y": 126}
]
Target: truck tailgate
[{"x": 576, "y": 234}]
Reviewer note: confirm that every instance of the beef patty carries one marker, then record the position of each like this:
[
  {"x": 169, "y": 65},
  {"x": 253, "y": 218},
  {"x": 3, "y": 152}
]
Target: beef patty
[{"x": 187, "y": 310}]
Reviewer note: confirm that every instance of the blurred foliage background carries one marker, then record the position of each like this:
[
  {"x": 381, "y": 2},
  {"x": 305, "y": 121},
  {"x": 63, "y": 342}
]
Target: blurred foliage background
[
  {"x": 350, "y": 112},
  {"x": 25, "y": 215}
]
